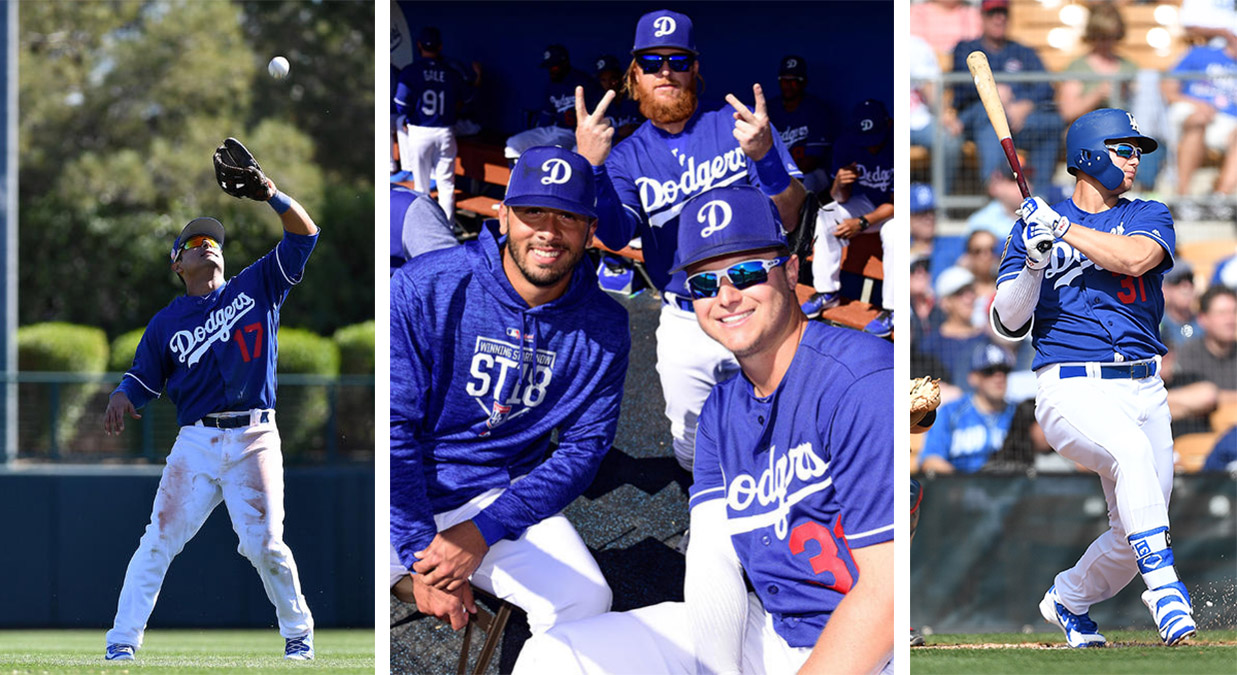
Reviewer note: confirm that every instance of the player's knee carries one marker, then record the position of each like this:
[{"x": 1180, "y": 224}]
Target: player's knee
[
  {"x": 580, "y": 597},
  {"x": 263, "y": 550}
]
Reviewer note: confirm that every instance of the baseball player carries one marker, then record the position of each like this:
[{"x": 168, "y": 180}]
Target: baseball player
[
  {"x": 418, "y": 226},
  {"x": 1083, "y": 278},
  {"x": 556, "y": 121},
  {"x": 214, "y": 349},
  {"x": 683, "y": 149},
  {"x": 862, "y": 194},
  {"x": 623, "y": 113},
  {"x": 428, "y": 96},
  {"x": 495, "y": 345},
  {"x": 806, "y": 123},
  {"x": 793, "y": 482}
]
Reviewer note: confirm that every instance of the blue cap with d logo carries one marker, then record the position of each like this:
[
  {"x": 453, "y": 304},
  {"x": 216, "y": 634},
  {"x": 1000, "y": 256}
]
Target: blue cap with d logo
[
  {"x": 555, "y": 178},
  {"x": 664, "y": 28},
  {"x": 727, "y": 220}
]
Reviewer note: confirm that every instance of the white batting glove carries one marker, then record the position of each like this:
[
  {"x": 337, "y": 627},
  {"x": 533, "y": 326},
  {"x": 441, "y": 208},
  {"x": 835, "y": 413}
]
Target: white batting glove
[
  {"x": 1036, "y": 210},
  {"x": 1038, "y": 240}
]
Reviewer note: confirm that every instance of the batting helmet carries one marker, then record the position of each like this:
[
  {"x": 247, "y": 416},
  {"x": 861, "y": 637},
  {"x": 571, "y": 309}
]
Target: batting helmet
[{"x": 1088, "y": 136}]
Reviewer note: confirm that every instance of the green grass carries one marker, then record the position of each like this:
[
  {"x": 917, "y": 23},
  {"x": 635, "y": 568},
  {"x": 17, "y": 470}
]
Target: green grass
[
  {"x": 1128, "y": 652},
  {"x": 183, "y": 651}
]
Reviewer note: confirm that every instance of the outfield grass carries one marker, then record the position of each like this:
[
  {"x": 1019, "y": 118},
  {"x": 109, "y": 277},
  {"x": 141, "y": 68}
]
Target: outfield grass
[
  {"x": 183, "y": 651},
  {"x": 1128, "y": 652}
]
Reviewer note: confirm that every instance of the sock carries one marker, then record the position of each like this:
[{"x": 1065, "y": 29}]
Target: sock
[{"x": 1155, "y": 557}]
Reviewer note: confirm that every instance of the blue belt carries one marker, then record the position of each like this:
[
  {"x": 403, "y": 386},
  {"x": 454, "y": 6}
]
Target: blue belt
[
  {"x": 1112, "y": 371},
  {"x": 233, "y": 421},
  {"x": 679, "y": 301}
]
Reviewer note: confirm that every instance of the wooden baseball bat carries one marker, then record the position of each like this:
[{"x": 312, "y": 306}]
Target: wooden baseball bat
[{"x": 981, "y": 71}]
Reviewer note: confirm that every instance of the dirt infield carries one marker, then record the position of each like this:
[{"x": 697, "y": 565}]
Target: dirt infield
[{"x": 1060, "y": 646}]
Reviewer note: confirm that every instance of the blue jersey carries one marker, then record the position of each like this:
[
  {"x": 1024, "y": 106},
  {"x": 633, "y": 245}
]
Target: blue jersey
[
  {"x": 1219, "y": 88},
  {"x": 428, "y": 93},
  {"x": 479, "y": 381},
  {"x": 1013, "y": 58},
  {"x": 807, "y": 473},
  {"x": 965, "y": 436},
  {"x": 624, "y": 112},
  {"x": 875, "y": 171},
  {"x": 650, "y": 175},
  {"x": 216, "y": 352},
  {"x": 806, "y": 132},
  {"x": 559, "y": 99},
  {"x": 1086, "y": 313}
]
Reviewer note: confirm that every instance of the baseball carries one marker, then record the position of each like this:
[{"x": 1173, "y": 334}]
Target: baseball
[{"x": 278, "y": 67}]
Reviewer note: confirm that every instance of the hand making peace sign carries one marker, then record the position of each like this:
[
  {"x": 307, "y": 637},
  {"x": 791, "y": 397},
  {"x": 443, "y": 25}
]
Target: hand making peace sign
[
  {"x": 594, "y": 134},
  {"x": 751, "y": 128}
]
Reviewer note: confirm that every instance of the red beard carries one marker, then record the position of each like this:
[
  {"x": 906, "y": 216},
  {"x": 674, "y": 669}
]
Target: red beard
[{"x": 668, "y": 112}]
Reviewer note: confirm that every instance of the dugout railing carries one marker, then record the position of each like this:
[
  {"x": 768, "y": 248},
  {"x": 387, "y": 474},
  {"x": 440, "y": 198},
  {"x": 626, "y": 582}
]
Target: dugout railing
[
  {"x": 322, "y": 420},
  {"x": 1145, "y": 100}
]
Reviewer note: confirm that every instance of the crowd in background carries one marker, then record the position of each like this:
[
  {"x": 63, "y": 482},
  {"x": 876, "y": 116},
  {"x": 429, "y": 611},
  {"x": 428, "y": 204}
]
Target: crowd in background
[{"x": 987, "y": 422}]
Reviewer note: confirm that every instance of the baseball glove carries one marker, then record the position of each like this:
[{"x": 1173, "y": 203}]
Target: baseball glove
[
  {"x": 925, "y": 397},
  {"x": 238, "y": 173}
]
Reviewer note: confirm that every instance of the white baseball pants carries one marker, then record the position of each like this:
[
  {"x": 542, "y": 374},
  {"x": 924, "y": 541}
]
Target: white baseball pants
[
  {"x": 548, "y": 572},
  {"x": 243, "y": 468},
  {"x": 689, "y": 363},
  {"x": 429, "y": 153},
  {"x": 827, "y": 251},
  {"x": 654, "y": 639},
  {"x": 1119, "y": 429}
]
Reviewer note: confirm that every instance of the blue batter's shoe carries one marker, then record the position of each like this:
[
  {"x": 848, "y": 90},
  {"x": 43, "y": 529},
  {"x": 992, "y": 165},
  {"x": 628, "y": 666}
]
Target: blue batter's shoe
[
  {"x": 882, "y": 325},
  {"x": 819, "y": 303},
  {"x": 1174, "y": 615},
  {"x": 299, "y": 648},
  {"x": 1080, "y": 630},
  {"x": 119, "y": 652}
]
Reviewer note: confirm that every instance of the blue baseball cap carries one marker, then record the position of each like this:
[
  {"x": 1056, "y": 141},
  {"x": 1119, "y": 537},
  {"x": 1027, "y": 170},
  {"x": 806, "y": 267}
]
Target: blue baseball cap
[
  {"x": 727, "y": 220},
  {"x": 430, "y": 38},
  {"x": 554, "y": 55},
  {"x": 201, "y": 225},
  {"x": 793, "y": 66},
  {"x": 555, "y": 178},
  {"x": 870, "y": 120},
  {"x": 608, "y": 62},
  {"x": 922, "y": 198},
  {"x": 991, "y": 356},
  {"x": 664, "y": 28}
]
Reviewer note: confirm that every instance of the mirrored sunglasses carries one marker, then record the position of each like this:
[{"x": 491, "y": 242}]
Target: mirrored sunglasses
[
  {"x": 200, "y": 240},
  {"x": 743, "y": 275},
  {"x": 652, "y": 63},
  {"x": 1126, "y": 150}
]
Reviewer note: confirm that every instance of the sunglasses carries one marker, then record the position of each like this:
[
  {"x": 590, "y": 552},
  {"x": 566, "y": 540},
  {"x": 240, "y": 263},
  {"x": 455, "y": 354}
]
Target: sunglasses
[
  {"x": 1126, "y": 150},
  {"x": 200, "y": 240},
  {"x": 993, "y": 370},
  {"x": 743, "y": 275},
  {"x": 652, "y": 63}
]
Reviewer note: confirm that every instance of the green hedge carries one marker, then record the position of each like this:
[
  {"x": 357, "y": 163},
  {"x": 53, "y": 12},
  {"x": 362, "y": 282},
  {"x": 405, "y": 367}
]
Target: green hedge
[
  {"x": 356, "y": 348},
  {"x": 302, "y": 411},
  {"x": 120, "y": 359},
  {"x": 355, "y": 407},
  {"x": 57, "y": 347}
]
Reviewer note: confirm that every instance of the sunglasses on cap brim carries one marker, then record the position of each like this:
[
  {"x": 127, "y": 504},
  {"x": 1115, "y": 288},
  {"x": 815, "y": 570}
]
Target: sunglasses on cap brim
[
  {"x": 708, "y": 284},
  {"x": 652, "y": 63}
]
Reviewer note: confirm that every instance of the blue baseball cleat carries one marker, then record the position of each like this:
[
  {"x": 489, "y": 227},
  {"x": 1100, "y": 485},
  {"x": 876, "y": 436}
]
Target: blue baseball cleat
[
  {"x": 882, "y": 325},
  {"x": 119, "y": 652},
  {"x": 300, "y": 648},
  {"x": 1080, "y": 630},
  {"x": 819, "y": 302},
  {"x": 1174, "y": 615}
]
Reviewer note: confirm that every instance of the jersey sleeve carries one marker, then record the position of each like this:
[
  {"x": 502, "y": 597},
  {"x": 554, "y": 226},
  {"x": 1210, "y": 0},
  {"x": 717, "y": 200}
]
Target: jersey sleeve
[
  {"x": 788, "y": 160},
  {"x": 1156, "y": 223},
  {"x": 708, "y": 482},
  {"x": 145, "y": 378},
  {"x": 412, "y": 520},
  {"x": 860, "y": 438},
  {"x": 583, "y": 440},
  {"x": 618, "y": 220},
  {"x": 403, "y": 93},
  {"x": 1014, "y": 255}
]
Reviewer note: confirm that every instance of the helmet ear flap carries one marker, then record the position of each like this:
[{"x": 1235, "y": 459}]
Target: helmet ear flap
[{"x": 1098, "y": 165}]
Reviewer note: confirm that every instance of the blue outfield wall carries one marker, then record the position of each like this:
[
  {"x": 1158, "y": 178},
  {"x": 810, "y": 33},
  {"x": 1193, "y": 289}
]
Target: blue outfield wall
[{"x": 69, "y": 532}]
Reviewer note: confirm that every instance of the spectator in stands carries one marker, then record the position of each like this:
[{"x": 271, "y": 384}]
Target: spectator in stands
[
  {"x": 1105, "y": 29},
  {"x": 926, "y": 316},
  {"x": 806, "y": 123},
  {"x": 925, "y": 70},
  {"x": 418, "y": 226},
  {"x": 969, "y": 430},
  {"x": 980, "y": 259},
  {"x": 1029, "y": 106},
  {"x": 1180, "y": 323},
  {"x": 1223, "y": 456},
  {"x": 1214, "y": 357},
  {"x": 555, "y": 124},
  {"x": 1209, "y": 20},
  {"x": 923, "y": 219},
  {"x": 623, "y": 113},
  {"x": 957, "y": 338},
  {"x": 1206, "y": 112},
  {"x": 1191, "y": 397},
  {"x": 945, "y": 23},
  {"x": 1225, "y": 273},
  {"x": 997, "y": 215},
  {"x": 1025, "y": 449}
]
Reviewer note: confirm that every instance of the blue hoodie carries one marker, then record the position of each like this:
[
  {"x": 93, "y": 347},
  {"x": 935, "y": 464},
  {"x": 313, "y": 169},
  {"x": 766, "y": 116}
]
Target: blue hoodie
[{"x": 465, "y": 420}]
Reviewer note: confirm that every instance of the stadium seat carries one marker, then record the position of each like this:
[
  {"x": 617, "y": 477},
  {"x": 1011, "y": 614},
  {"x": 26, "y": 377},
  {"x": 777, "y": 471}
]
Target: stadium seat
[{"x": 1192, "y": 450}]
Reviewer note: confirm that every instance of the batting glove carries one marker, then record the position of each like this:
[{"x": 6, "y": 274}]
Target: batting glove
[
  {"x": 1038, "y": 240},
  {"x": 1036, "y": 210}
]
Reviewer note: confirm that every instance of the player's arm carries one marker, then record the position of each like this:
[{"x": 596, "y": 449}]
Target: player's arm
[
  {"x": 141, "y": 384},
  {"x": 876, "y": 218},
  {"x": 1120, "y": 253},
  {"x": 859, "y": 637},
  {"x": 617, "y": 220},
  {"x": 714, "y": 591},
  {"x": 292, "y": 215},
  {"x": 843, "y": 181},
  {"x": 776, "y": 170},
  {"x": 1019, "y": 278}
]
